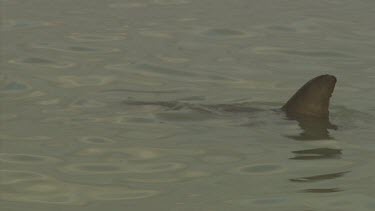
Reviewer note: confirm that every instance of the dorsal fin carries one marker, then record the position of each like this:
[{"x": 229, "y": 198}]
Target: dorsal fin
[{"x": 312, "y": 99}]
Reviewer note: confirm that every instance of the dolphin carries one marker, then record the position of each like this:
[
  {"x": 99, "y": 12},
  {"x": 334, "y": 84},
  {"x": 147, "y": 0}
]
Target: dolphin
[
  {"x": 312, "y": 99},
  {"x": 309, "y": 106}
]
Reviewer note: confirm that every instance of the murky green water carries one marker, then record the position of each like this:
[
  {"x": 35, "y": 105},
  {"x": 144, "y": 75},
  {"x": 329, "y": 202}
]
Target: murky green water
[{"x": 72, "y": 140}]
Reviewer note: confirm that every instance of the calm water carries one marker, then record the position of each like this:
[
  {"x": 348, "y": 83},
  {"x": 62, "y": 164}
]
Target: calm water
[{"x": 72, "y": 140}]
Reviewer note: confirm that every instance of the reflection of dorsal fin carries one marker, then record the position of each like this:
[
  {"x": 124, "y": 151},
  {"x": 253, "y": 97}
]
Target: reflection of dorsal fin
[{"x": 312, "y": 99}]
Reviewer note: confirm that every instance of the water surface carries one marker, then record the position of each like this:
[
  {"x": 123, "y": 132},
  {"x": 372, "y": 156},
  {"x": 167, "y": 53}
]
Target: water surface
[{"x": 208, "y": 136}]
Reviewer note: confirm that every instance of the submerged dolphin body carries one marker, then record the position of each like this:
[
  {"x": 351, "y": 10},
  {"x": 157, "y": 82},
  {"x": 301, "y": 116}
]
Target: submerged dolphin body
[
  {"x": 312, "y": 99},
  {"x": 309, "y": 106}
]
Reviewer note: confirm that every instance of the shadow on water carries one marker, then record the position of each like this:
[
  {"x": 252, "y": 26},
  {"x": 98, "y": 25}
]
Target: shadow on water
[
  {"x": 312, "y": 128},
  {"x": 321, "y": 177},
  {"x": 315, "y": 129},
  {"x": 317, "y": 153}
]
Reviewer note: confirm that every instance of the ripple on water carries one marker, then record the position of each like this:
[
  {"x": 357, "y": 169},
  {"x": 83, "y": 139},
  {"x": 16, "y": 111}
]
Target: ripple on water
[
  {"x": 304, "y": 53},
  {"x": 259, "y": 202},
  {"x": 143, "y": 90},
  {"x": 184, "y": 116},
  {"x": 114, "y": 168},
  {"x": 25, "y": 138},
  {"x": 259, "y": 169},
  {"x": 155, "y": 167},
  {"x": 72, "y": 48},
  {"x": 320, "y": 177},
  {"x": 15, "y": 87},
  {"x": 156, "y": 33},
  {"x": 46, "y": 191},
  {"x": 7, "y": 117},
  {"x": 96, "y": 140},
  {"x": 315, "y": 53},
  {"x": 94, "y": 168},
  {"x": 24, "y": 186},
  {"x": 127, "y": 5},
  {"x": 173, "y": 60},
  {"x": 322, "y": 190},
  {"x": 41, "y": 62},
  {"x": 99, "y": 168},
  {"x": 144, "y": 74},
  {"x": 36, "y": 60},
  {"x": 281, "y": 28},
  {"x": 132, "y": 155},
  {"x": 27, "y": 158},
  {"x": 220, "y": 158},
  {"x": 19, "y": 92},
  {"x": 97, "y": 37},
  {"x": 14, "y": 176},
  {"x": 52, "y": 101},
  {"x": 167, "y": 177},
  {"x": 171, "y": 2},
  {"x": 71, "y": 81},
  {"x": 87, "y": 103},
  {"x": 136, "y": 153},
  {"x": 222, "y": 32},
  {"x": 122, "y": 154},
  {"x": 122, "y": 194},
  {"x": 9, "y": 25},
  {"x": 157, "y": 69}
]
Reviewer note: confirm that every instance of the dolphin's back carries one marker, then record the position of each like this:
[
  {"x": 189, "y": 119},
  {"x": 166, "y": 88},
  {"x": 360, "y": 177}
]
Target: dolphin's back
[{"x": 312, "y": 99}]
